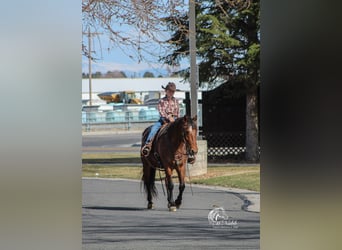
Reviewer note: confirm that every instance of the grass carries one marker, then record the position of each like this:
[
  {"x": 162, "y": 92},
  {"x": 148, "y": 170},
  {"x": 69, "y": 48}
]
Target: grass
[
  {"x": 93, "y": 158},
  {"x": 237, "y": 176},
  {"x": 250, "y": 181},
  {"x": 111, "y": 171}
]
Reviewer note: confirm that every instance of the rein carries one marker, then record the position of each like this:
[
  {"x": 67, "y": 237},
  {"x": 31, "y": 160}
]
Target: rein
[
  {"x": 186, "y": 142},
  {"x": 172, "y": 129}
]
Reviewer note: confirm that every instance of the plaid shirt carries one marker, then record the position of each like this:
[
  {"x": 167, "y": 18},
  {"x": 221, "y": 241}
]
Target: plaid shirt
[{"x": 167, "y": 108}]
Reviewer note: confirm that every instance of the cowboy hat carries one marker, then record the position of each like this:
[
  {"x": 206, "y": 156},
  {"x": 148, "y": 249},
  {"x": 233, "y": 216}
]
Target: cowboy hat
[{"x": 171, "y": 86}]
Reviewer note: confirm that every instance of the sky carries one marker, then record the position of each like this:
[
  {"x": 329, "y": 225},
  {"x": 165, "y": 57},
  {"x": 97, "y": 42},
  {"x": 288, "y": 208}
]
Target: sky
[{"x": 116, "y": 59}]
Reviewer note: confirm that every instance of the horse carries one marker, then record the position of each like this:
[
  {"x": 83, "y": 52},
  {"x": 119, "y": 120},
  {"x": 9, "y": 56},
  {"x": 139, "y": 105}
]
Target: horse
[{"x": 174, "y": 145}]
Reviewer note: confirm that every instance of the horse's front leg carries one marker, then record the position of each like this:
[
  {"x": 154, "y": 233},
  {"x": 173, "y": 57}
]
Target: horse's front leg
[
  {"x": 169, "y": 187},
  {"x": 181, "y": 176}
]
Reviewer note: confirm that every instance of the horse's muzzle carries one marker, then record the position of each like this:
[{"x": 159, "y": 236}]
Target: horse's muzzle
[
  {"x": 192, "y": 152},
  {"x": 191, "y": 156}
]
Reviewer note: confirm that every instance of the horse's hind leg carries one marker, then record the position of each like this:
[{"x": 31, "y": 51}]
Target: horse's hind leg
[
  {"x": 150, "y": 205},
  {"x": 149, "y": 198},
  {"x": 148, "y": 177}
]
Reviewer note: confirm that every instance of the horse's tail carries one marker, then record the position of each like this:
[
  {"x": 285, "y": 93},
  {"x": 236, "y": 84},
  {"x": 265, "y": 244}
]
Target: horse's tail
[
  {"x": 149, "y": 172},
  {"x": 148, "y": 179}
]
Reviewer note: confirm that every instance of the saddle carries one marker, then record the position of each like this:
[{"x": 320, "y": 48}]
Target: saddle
[{"x": 161, "y": 132}]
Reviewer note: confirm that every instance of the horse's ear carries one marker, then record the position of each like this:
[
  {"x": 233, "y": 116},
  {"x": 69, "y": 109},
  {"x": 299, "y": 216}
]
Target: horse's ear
[
  {"x": 194, "y": 118},
  {"x": 185, "y": 118}
]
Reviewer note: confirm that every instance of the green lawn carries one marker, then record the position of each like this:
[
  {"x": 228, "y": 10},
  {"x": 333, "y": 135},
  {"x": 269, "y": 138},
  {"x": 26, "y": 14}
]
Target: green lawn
[
  {"x": 111, "y": 171},
  {"x": 237, "y": 176},
  {"x": 250, "y": 181}
]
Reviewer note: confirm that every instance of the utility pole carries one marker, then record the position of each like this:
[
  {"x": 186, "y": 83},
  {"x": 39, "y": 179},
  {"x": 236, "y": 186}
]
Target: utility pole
[
  {"x": 90, "y": 34},
  {"x": 193, "y": 64}
]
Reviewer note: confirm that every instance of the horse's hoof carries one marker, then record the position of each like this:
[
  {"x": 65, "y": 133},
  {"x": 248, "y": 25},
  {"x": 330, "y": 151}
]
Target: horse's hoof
[
  {"x": 150, "y": 206},
  {"x": 172, "y": 208},
  {"x": 178, "y": 203}
]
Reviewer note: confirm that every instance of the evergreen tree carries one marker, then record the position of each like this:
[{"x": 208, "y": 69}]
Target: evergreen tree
[{"x": 228, "y": 48}]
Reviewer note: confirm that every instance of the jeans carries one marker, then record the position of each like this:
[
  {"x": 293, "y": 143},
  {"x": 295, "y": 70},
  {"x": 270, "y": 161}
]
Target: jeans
[{"x": 154, "y": 129}]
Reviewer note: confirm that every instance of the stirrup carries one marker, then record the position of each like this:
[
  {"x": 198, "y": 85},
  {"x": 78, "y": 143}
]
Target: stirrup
[{"x": 145, "y": 151}]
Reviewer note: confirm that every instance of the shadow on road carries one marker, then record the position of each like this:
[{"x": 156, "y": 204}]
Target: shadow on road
[{"x": 114, "y": 208}]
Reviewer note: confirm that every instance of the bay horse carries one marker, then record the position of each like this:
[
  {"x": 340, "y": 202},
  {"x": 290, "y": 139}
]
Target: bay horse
[{"x": 174, "y": 145}]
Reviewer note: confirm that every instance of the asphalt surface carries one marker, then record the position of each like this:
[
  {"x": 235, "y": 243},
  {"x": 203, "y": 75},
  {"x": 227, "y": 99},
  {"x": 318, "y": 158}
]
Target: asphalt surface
[
  {"x": 111, "y": 140},
  {"x": 120, "y": 141},
  {"x": 114, "y": 216}
]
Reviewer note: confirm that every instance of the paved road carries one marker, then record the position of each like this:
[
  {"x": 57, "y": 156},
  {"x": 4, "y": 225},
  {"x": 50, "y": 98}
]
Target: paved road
[
  {"x": 114, "y": 217},
  {"x": 111, "y": 142}
]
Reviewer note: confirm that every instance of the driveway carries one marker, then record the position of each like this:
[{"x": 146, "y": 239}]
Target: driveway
[{"x": 114, "y": 216}]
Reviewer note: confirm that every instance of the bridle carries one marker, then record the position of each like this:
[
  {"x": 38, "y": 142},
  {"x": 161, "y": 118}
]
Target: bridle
[{"x": 188, "y": 150}]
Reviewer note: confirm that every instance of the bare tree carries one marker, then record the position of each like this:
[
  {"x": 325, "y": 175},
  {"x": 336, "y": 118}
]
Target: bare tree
[{"x": 135, "y": 26}]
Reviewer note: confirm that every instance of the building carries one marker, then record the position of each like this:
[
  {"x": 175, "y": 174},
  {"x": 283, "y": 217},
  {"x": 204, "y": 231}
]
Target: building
[{"x": 145, "y": 88}]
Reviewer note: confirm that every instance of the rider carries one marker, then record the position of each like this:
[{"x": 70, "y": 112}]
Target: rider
[{"x": 168, "y": 108}]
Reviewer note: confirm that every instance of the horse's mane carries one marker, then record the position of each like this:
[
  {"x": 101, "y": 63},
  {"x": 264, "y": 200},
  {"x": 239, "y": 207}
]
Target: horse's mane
[
  {"x": 177, "y": 125},
  {"x": 172, "y": 126}
]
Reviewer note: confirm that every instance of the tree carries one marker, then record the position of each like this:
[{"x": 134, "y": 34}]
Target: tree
[
  {"x": 134, "y": 25},
  {"x": 97, "y": 74},
  {"x": 228, "y": 46},
  {"x": 123, "y": 74},
  {"x": 115, "y": 74},
  {"x": 148, "y": 74}
]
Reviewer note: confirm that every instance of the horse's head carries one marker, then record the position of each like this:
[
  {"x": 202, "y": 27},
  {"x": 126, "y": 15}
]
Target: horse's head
[{"x": 190, "y": 136}]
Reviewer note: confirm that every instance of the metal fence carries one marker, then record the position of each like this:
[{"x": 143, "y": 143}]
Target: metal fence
[
  {"x": 225, "y": 146},
  {"x": 121, "y": 116}
]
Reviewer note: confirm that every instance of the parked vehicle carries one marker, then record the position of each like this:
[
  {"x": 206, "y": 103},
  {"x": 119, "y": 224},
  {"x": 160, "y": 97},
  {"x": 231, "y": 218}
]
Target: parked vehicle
[{"x": 120, "y": 97}]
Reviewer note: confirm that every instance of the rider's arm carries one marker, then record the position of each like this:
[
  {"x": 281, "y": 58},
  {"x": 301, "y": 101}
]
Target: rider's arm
[{"x": 177, "y": 109}]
